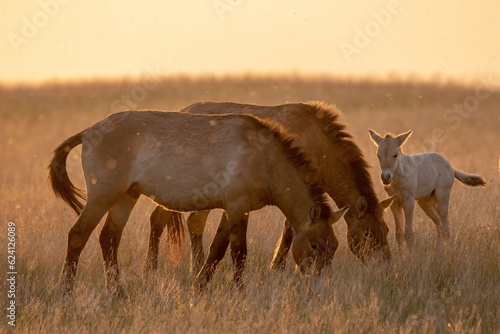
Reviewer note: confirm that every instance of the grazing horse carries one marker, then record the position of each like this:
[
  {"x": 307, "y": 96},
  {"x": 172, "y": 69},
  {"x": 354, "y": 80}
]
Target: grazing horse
[
  {"x": 426, "y": 178},
  {"x": 342, "y": 172},
  {"x": 188, "y": 162}
]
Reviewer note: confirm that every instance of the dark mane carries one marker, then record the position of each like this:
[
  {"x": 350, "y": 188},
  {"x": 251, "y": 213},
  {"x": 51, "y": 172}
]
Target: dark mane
[
  {"x": 351, "y": 153},
  {"x": 298, "y": 158}
]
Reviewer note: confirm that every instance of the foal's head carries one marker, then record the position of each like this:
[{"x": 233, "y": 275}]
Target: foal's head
[
  {"x": 314, "y": 245},
  {"x": 389, "y": 150}
]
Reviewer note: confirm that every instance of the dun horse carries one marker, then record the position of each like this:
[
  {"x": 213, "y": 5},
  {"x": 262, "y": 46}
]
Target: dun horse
[
  {"x": 191, "y": 162},
  {"x": 426, "y": 178},
  {"x": 342, "y": 172}
]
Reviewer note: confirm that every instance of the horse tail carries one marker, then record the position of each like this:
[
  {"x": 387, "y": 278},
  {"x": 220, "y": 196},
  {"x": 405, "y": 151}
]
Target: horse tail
[
  {"x": 58, "y": 175},
  {"x": 468, "y": 179},
  {"x": 175, "y": 228}
]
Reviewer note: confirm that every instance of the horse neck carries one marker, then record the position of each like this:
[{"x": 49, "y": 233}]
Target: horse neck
[
  {"x": 292, "y": 196},
  {"x": 404, "y": 161},
  {"x": 340, "y": 180},
  {"x": 339, "y": 183}
]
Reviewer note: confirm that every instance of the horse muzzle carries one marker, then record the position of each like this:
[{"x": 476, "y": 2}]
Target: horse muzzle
[{"x": 386, "y": 178}]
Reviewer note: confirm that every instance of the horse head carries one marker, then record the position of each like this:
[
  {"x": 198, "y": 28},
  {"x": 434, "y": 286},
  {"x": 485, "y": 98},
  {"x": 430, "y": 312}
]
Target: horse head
[
  {"x": 314, "y": 246},
  {"x": 367, "y": 231}
]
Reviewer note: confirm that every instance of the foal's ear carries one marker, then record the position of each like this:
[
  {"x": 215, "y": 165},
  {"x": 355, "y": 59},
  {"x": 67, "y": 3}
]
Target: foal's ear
[
  {"x": 361, "y": 206},
  {"x": 315, "y": 212},
  {"x": 388, "y": 201},
  {"x": 376, "y": 138},
  {"x": 402, "y": 138},
  {"x": 336, "y": 215}
]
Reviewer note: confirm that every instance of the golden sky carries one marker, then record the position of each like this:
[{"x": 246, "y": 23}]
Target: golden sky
[{"x": 64, "y": 39}]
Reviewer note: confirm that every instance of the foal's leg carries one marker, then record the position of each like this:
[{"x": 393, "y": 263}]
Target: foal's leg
[
  {"x": 196, "y": 223},
  {"x": 285, "y": 242},
  {"x": 109, "y": 239},
  {"x": 429, "y": 206},
  {"x": 238, "y": 239},
  {"x": 158, "y": 220},
  {"x": 408, "y": 206},
  {"x": 443, "y": 201},
  {"x": 78, "y": 236},
  {"x": 397, "y": 212},
  {"x": 215, "y": 254}
]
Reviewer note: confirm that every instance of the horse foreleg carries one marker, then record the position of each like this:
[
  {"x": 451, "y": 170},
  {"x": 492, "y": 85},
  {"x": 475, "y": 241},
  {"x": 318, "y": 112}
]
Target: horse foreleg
[
  {"x": 158, "y": 220},
  {"x": 109, "y": 239},
  {"x": 238, "y": 239},
  {"x": 285, "y": 242},
  {"x": 397, "y": 212},
  {"x": 196, "y": 223},
  {"x": 77, "y": 238},
  {"x": 408, "y": 206},
  {"x": 215, "y": 254}
]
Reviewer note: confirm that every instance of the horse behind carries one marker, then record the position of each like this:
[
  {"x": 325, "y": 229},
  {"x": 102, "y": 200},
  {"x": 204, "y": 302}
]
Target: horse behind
[
  {"x": 187, "y": 162},
  {"x": 341, "y": 168},
  {"x": 426, "y": 178}
]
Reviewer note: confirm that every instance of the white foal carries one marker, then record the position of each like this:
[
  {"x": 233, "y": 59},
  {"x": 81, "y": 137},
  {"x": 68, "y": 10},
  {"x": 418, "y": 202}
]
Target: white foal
[{"x": 426, "y": 178}]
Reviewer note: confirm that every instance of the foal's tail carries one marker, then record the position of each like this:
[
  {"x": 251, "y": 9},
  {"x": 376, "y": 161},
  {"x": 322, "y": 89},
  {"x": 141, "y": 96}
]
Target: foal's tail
[
  {"x": 58, "y": 175},
  {"x": 468, "y": 179}
]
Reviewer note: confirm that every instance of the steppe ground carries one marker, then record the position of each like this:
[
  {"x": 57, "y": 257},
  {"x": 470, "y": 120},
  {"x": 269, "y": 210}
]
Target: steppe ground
[{"x": 453, "y": 290}]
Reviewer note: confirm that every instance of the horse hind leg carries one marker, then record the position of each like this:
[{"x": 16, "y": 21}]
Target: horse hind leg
[
  {"x": 442, "y": 198},
  {"x": 158, "y": 220},
  {"x": 430, "y": 209},
  {"x": 110, "y": 240},
  {"x": 78, "y": 236},
  {"x": 196, "y": 223}
]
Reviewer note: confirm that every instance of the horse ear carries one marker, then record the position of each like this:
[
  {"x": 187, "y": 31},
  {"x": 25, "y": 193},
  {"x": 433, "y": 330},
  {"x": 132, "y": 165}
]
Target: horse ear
[
  {"x": 315, "y": 212},
  {"x": 376, "y": 138},
  {"x": 361, "y": 206},
  {"x": 402, "y": 138},
  {"x": 336, "y": 215},
  {"x": 387, "y": 202}
]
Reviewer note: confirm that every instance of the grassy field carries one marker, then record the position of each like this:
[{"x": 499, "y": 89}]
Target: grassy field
[{"x": 452, "y": 290}]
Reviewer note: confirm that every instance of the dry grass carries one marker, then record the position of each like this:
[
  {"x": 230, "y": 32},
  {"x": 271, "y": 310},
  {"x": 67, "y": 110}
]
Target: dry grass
[{"x": 454, "y": 289}]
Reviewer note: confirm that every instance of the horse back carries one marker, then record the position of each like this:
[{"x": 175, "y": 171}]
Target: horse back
[
  {"x": 184, "y": 161},
  {"x": 431, "y": 171},
  {"x": 302, "y": 120}
]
